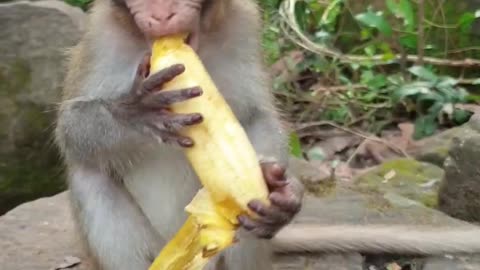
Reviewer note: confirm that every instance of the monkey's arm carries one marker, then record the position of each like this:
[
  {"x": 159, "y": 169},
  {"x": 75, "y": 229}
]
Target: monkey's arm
[
  {"x": 107, "y": 127},
  {"x": 88, "y": 133}
]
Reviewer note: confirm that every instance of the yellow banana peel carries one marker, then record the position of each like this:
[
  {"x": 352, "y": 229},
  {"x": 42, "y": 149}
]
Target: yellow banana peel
[{"x": 222, "y": 157}]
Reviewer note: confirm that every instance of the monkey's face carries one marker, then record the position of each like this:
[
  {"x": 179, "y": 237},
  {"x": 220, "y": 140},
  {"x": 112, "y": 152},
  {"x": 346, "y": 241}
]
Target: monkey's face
[{"x": 156, "y": 18}]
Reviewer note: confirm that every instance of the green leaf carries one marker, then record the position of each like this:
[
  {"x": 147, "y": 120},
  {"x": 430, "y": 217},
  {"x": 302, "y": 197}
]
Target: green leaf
[
  {"x": 466, "y": 21},
  {"x": 472, "y": 98},
  {"x": 412, "y": 89},
  {"x": 331, "y": 13},
  {"x": 461, "y": 116},
  {"x": 403, "y": 10},
  {"x": 447, "y": 82},
  {"x": 375, "y": 20},
  {"x": 409, "y": 41},
  {"x": 425, "y": 126},
  {"x": 423, "y": 73},
  {"x": 295, "y": 145},
  {"x": 301, "y": 15},
  {"x": 316, "y": 153}
]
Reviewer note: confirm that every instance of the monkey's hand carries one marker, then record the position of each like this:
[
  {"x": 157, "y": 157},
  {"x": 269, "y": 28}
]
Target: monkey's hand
[
  {"x": 146, "y": 107},
  {"x": 285, "y": 196}
]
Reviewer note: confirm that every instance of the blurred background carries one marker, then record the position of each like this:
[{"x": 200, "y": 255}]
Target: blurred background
[{"x": 381, "y": 96}]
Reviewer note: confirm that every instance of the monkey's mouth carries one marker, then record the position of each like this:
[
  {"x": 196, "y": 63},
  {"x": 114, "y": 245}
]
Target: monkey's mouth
[{"x": 193, "y": 40}]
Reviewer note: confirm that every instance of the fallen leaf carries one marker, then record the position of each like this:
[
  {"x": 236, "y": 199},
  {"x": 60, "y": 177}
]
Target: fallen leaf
[
  {"x": 389, "y": 175},
  {"x": 328, "y": 148},
  {"x": 343, "y": 172},
  {"x": 394, "y": 266},
  {"x": 430, "y": 183},
  {"x": 68, "y": 262}
]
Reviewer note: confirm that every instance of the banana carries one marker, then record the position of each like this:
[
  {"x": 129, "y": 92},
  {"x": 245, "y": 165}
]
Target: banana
[{"x": 222, "y": 157}]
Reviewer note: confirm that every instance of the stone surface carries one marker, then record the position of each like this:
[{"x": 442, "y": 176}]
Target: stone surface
[
  {"x": 33, "y": 38},
  {"x": 453, "y": 263},
  {"x": 409, "y": 178},
  {"x": 434, "y": 149},
  {"x": 39, "y": 235},
  {"x": 459, "y": 194}
]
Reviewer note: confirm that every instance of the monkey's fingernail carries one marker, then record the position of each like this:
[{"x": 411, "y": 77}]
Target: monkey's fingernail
[
  {"x": 255, "y": 206},
  {"x": 196, "y": 91},
  {"x": 179, "y": 67},
  {"x": 241, "y": 219},
  {"x": 197, "y": 118},
  {"x": 186, "y": 142},
  {"x": 278, "y": 170},
  {"x": 246, "y": 223}
]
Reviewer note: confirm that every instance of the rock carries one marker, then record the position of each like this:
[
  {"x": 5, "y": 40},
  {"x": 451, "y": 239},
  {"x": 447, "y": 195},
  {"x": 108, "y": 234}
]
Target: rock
[
  {"x": 27, "y": 231},
  {"x": 33, "y": 37},
  {"x": 320, "y": 262},
  {"x": 434, "y": 149},
  {"x": 39, "y": 235},
  {"x": 409, "y": 178},
  {"x": 453, "y": 263},
  {"x": 459, "y": 193}
]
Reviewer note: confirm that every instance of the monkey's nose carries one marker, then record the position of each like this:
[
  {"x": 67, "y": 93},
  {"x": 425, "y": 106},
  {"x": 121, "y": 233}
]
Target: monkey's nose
[{"x": 165, "y": 17}]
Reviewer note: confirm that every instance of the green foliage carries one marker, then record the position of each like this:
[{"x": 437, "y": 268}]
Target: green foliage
[
  {"x": 434, "y": 97},
  {"x": 83, "y": 4},
  {"x": 364, "y": 93},
  {"x": 295, "y": 145}
]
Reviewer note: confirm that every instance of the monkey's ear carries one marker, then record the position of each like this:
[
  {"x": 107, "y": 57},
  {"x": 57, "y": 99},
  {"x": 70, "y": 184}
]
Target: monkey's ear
[{"x": 214, "y": 12}]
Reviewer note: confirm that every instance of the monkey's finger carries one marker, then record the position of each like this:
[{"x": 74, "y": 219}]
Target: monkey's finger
[
  {"x": 258, "y": 229},
  {"x": 274, "y": 175},
  {"x": 143, "y": 69},
  {"x": 287, "y": 201},
  {"x": 156, "y": 80},
  {"x": 177, "y": 121},
  {"x": 165, "y": 98},
  {"x": 269, "y": 214},
  {"x": 173, "y": 138}
]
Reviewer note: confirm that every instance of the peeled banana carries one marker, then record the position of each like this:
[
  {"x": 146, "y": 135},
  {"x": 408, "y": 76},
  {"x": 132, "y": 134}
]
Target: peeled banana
[{"x": 222, "y": 157}]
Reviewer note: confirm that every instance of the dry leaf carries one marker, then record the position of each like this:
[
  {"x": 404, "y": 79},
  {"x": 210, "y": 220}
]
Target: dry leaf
[
  {"x": 388, "y": 176},
  {"x": 394, "y": 266},
  {"x": 343, "y": 172},
  {"x": 68, "y": 262}
]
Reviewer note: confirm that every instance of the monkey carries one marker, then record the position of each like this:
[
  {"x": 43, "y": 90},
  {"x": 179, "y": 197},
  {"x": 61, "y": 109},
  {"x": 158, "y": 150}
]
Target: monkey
[{"x": 128, "y": 178}]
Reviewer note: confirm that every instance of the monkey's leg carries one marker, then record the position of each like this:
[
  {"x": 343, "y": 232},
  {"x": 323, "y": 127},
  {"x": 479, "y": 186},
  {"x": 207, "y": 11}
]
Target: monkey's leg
[{"x": 117, "y": 233}]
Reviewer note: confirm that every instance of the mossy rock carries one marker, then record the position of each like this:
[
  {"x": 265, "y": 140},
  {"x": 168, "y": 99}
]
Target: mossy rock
[
  {"x": 435, "y": 149},
  {"x": 34, "y": 36},
  {"x": 415, "y": 180},
  {"x": 459, "y": 194}
]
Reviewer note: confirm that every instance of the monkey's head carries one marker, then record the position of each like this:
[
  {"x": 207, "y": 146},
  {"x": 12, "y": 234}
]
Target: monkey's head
[{"x": 156, "y": 18}]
